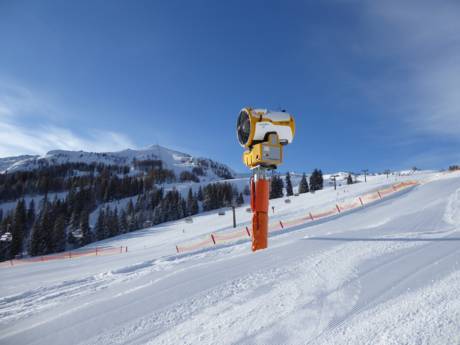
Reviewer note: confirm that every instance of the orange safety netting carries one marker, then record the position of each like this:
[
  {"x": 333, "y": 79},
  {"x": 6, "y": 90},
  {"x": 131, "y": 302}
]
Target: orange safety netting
[
  {"x": 225, "y": 236},
  {"x": 97, "y": 251},
  {"x": 228, "y": 236},
  {"x": 195, "y": 246}
]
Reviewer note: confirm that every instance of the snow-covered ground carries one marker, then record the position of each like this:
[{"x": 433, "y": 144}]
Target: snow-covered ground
[{"x": 388, "y": 273}]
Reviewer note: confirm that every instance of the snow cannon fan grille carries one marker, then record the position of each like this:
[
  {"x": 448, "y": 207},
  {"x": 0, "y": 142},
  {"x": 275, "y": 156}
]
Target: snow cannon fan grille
[{"x": 243, "y": 128}]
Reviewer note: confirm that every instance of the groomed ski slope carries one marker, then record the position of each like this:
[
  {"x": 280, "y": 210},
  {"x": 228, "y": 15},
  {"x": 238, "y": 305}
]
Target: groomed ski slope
[{"x": 388, "y": 273}]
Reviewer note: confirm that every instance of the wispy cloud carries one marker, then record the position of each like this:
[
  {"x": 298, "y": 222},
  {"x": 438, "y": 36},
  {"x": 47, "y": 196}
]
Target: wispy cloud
[
  {"x": 20, "y": 108},
  {"x": 423, "y": 39}
]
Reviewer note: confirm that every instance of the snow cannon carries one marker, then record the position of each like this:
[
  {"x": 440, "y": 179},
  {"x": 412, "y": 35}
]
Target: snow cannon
[{"x": 263, "y": 133}]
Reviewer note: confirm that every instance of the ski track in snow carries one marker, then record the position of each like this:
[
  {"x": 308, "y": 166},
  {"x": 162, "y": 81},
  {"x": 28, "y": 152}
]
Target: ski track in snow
[
  {"x": 20, "y": 306},
  {"x": 286, "y": 303},
  {"x": 430, "y": 315},
  {"x": 452, "y": 213},
  {"x": 25, "y": 304}
]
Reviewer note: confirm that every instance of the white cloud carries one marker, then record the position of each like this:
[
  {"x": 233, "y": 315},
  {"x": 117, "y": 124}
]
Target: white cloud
[
  {"x": 19, "y": 107},
  {"x": 16, "y": 139},
  {"x": 423, "y": 39},
  {"x": 19, "y": 101}
]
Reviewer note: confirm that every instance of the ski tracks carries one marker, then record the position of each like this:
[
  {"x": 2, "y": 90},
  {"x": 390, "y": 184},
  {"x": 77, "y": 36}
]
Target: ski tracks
[
  {"x": 283, "y": 305},
  {"x": 30, "y": 302},
  {"x": 426, "y": 316}
]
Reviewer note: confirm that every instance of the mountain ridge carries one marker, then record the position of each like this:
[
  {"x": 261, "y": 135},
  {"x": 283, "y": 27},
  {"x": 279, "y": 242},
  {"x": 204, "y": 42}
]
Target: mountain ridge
[{"x": 170, "y": 159}]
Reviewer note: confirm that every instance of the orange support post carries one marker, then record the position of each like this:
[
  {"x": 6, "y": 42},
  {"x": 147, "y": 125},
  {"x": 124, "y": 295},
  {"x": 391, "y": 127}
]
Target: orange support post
[
  {"x": 338, "y": 208},
  {"x": 259, "y": 206}
]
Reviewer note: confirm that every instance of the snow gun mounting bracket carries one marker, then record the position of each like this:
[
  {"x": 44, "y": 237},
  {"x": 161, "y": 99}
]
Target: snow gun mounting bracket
[{"x": 263, "y": 133}]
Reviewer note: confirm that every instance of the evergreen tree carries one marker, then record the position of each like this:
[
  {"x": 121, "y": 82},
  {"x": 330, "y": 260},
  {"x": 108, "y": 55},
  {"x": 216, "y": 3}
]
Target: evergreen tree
[
  {"x": 320, "y": 179},
  {"x": 42, "y": 232},
  {"x": 200, "y": 196},
  {"x": 124, "y": 228},
  {"x": 183, "y": 208},
  {"x": 210, "y": 198},
  {"x": 130, "y": 208},
  {"x": 192, "y": 204},
  {"x": 316, "y": 180},
  {"x": 59, "y": 234},
  {"x": 303, "y": 185},
  {"x": 31, "y": 213},
  {"x": 240, "y": 199},
  {"x": 131, "y": 216},
  {"x": 158, "y": 214},
  {"x": 85, "y": 229},
  {"x": 189, "y": 202},
  {"x": 114, "y": 225},
  {"x": 19, "y": 227},
  {"x": 74, "y": 220},
  {"x": 107, "y": 222},
  {"x": 289, "y": 191},
  {"x": 276, "y": 187},
  {"x": 349, "y": 179},
  {"x": 36, "y": 238},
  {"x": 99, "y": 228},
  {"x": 47, "y": 227}
]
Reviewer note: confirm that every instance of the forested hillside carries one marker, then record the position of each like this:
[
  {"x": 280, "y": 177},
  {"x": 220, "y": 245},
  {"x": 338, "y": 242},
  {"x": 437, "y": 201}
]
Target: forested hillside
[{"x": 53, "y": 202}]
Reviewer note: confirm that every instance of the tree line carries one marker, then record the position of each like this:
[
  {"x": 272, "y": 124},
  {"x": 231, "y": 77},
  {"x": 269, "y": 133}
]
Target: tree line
[
  {"x": 109, "y": 182},
  {"x": 60, "y": 224},
  {"x": 277, "y": 185}
]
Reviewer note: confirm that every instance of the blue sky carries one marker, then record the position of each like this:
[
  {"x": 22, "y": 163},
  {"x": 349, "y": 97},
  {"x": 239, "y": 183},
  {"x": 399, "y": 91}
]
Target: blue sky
[{"x": 372, "y": 84}]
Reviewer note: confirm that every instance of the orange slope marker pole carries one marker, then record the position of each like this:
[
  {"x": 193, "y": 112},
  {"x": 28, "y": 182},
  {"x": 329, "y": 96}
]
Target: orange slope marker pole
[{"x": 259, "y": 206}]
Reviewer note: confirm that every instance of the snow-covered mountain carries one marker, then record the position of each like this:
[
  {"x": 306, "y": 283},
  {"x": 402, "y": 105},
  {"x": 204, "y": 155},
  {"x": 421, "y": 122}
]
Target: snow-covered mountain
[
  {"x": 173, "y": 160},
  {"x": 7, "y": 162}
]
